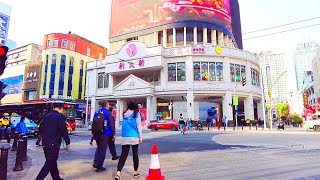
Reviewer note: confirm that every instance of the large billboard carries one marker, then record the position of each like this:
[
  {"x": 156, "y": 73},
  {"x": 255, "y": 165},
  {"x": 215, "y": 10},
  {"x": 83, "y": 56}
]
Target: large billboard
[
  {"x": 133, "y": 15},
  {"x": 4, "y": 26},
  {"x": 14, "y": 84}
]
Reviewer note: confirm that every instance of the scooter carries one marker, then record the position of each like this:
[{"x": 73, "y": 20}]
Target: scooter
[
  {"x": 199, "y": 126},
  {"x": 280, "y": 125}
]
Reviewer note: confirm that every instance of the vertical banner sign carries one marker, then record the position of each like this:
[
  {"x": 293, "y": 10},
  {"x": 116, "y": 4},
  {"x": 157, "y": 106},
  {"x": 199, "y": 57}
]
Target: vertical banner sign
[
  {"x": 235, "y": 100},
  {"x": 4, "y": 25}
]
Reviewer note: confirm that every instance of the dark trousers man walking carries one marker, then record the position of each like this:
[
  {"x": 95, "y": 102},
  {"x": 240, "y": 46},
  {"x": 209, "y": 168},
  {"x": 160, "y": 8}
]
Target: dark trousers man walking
[
  {"x": 100, "y": 154},
  {"x": 53, "y": 129}
]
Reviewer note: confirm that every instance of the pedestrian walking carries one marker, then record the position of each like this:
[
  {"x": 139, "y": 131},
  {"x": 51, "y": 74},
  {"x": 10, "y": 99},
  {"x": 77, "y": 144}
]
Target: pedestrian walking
[
  {"x": 53, "y": 128},
  {"x": 111, "y": 144},
  {"x": 103, "y": 130},
  {"x": 131, "y": 137},
  {"x": 38, "y": 130},
  {"x": 182, "y": 123},
  {"x": 225, "y": 122},
  {"x": 189, "y": 122},
  {"x": 21, "y": 126}
]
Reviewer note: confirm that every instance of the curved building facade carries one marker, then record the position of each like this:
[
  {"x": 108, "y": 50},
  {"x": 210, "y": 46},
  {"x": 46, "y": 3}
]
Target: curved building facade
[{"x": 173, "y": 64}]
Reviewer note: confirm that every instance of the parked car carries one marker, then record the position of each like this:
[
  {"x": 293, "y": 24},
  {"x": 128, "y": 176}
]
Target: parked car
[
  {"x": 166, "y": 123},
  {"x": 313, "y": 122},
  {"x": 31, "y": 126}
]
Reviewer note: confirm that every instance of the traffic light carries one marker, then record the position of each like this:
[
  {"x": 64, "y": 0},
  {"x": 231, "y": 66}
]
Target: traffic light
[
  {"x": 244, "y": 82},
  {"x": 3, "y": 58},
  {"x": 2, "y": 87}
]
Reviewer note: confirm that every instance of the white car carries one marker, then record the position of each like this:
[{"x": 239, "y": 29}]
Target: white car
[{"x": 313, "y": 122}]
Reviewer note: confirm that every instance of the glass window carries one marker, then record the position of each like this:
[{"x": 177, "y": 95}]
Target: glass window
[
  {"x": 209, "y": 36},
  {"x": 55, "y": 43},
  {"x": 160, "y": 37},
  {"x": 60, "y": 92},
  {"x": 219, "y": 71},
  {"x": 54, "y": 59},
  {"x": 61, "y": 78},
  {"x": 232, "y": 73},
  {"x": 172, "y": 71},
  {"x": 64, "y": 43},
  {"x": 103, "y": 80},
  {"x": 179, "y": 37},
  {"x": 72, "y": 46},
  {"x": 212, "y": 71},
  {"x": 238, "y": 75},
  {"x": 169, "y": 37},
  {"x": 31, "y": 95},
  {"x": 200, "y": 35},
  {"x": 243, "y": 72},
  {"x": 181, "y": 71},
  {"x": 189, "y": 36},
  {"x": 196, "y": 71},
  {"x": 204, "y": 71},
  {"x": 48, "y": 43},
  {"x": 63, "y": 59},
  {"x": 81, "y": 64}
]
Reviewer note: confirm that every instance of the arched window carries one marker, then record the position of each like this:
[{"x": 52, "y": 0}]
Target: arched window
[
  {"x": 63, "y": 59},
  {"x": 54, "y": 59}
]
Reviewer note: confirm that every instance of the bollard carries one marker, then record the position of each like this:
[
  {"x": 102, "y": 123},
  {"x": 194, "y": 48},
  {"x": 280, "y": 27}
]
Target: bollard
[
  {"x": 20, "y": 136},
  {"x": 4, "y": 163},
  {"x": 18, "y": 165},
  {"x": 15, "y": 142},
  {"x": 25, "y": 148}
]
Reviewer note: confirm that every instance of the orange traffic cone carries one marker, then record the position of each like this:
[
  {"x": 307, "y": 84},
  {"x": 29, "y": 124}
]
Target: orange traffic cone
[{"x": 154, "y": 167}]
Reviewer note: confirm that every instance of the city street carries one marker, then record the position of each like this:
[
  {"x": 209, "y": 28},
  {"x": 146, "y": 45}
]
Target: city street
[{"x": 290, "y": 154}]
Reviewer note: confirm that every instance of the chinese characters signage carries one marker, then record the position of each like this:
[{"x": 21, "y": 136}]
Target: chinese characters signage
[
  {"x": 305, "y": 99},
  {"x": 4, "y": 25},
  {"x": 132, "y": 64}
]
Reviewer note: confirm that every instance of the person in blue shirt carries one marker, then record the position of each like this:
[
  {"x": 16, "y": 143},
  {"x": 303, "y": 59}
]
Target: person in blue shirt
[
  {"x": 21, "y": 126},
  {"x": 103, "y": 139}
]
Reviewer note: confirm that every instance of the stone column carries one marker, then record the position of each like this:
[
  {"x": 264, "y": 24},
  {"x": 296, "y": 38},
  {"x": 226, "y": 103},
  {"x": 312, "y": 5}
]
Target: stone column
[
  {"x": 149, "y": 110},
  {"x": 184, "y": 36},
  {"x": 190, "y": 104},
  {"x": 248, "y": 107},
  {"x": 214, "y": 37},
  {"x": 154, "y": 107},
  {"x": 248, "y": 74},
  {"x": 164, "y": 40},
  {"x": 205, "y": 35},
  {"x": 111, "y": 84},
  {"x": 195, "y": 35},
  {"x": 155, "y": 38},
  {"x": 220, "y": 39},
  {"x": 226, "y": 108},
  {"x": 93, "y": 107},
  {"x": 174, "y": 41},
  {"x": 260, "y": 110},
  {"x": 226, "y": 70},
  {"x": 119, "y": 112}
]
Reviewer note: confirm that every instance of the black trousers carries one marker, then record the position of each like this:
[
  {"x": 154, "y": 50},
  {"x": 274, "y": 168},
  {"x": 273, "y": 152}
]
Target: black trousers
[
  {"x": 100, "y": 154},
  {"x": 51, "y": 153},
  {"x": 112, "y": 148},
  {"x": 124, "y": 155}
]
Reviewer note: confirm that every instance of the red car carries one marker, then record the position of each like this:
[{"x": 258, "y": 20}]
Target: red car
[{"x": 166, "y": 123}]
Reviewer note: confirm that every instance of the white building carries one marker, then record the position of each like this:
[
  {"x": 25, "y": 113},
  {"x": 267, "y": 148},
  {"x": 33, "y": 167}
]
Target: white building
[
  {"x": 316, "y": 75},
  {"x": 303, "y": 56}
]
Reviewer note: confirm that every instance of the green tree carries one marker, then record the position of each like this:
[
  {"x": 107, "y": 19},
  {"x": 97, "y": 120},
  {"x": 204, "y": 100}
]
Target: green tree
[
  {"x": 297, "y": 119},
  {"x": 283, "y": 109}
]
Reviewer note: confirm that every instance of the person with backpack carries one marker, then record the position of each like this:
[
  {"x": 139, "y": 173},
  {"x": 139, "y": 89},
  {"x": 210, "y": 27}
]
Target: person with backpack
[
  {"x": 103, "y": 130},
  {"x": 131, "y": 137}
]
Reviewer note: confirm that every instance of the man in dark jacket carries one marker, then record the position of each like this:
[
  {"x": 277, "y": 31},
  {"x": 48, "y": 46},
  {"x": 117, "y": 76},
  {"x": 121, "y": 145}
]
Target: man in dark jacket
[
  {"x": 103, "y": 139},
  {"x": 111, "y": 144},
  {"x": 53, "y": 128}
]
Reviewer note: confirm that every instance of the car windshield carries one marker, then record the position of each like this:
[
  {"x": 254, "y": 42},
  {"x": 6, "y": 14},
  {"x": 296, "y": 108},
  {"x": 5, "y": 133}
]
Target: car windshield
[{"x": 27, "y": 121}]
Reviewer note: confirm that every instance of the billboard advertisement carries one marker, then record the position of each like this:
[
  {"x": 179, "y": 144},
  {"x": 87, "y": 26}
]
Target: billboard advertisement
[
  {"x": 14, "y": 84},
  {"x": 132, "y": 15},
  {"x": 4, "y": 26}
]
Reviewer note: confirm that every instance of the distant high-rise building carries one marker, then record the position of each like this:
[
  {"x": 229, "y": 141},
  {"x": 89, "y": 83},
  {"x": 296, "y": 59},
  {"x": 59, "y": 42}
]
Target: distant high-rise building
[
  {"x": 275, "y": 64},
  {"x": 5, "y": 12},
  {"x": 303, "y": 56}
]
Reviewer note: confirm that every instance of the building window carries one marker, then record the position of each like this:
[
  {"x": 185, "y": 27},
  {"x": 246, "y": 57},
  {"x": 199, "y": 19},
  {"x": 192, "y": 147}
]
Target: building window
[
  {"x": 54, "y": 59},
  {"x": 179, "y": 37},
  {"x": 72, "y": 46},
  {"x": 47, "y": 59},
  {"x": 81, "y": 64},
  {"x": 48, "y": 43},
  {"x": 189, "y": 36},
  {"x": 55, "y": 43},
  {"x": 132, "y": 39},
  {"x": 255, "y": 77},
  {"x": 69, "y": 93},
  {"x": 61, "y": 78},
  {"x": 209, "y": 36},
  {"x": 63, "y": 59},
  {"x": 176, "y": 71},
  {"x": 199, "y": 35},
  {"x": 88, "y": 52},
  {"x": 160, "y": 37},
  {"x": 71, "y": 61},
  {"x": 169, "y": 37},
  {"x": 31, "y": 95},
  {"x": 196, "y": 71},
  {"x": 103, "y": 80},
  {"x": 208, "y": 71},
  {"x": 60, "y": 92},
  {"x": 237, "y": 72},
  {"x": 64, "y": 43},
  {"x": 238, "y": 75},
  {"x": 232, "y": 74}
]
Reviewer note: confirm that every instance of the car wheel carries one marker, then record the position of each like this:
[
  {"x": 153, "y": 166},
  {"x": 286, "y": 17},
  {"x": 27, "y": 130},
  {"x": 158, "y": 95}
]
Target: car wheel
[
  {"x": 173, "y": 128},
  {"x": 317, "y": 128},
  {"x": 153, "y": 128}
]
